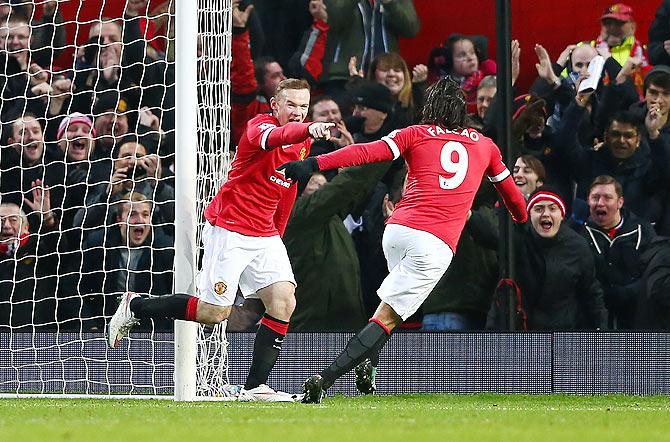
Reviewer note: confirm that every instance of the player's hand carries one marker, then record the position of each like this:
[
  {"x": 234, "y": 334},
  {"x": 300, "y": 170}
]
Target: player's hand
[
  {"x": 320, "y": 131},
  {"x": 299, "y": 171}
]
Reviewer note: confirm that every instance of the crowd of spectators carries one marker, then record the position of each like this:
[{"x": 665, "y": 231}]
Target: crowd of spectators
[{"x": 87, "y": 152}]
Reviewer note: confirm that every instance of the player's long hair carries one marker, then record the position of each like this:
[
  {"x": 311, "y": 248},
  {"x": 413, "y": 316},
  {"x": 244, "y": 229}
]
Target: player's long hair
[{"x": 445, "y": 105}]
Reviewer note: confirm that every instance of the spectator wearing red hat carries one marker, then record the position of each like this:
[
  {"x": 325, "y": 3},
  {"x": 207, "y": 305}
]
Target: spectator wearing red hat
[
  {"x": 556, "y": 271},
  {"x": 617, "y": 39},
  {"x": 659, "y": 35}
]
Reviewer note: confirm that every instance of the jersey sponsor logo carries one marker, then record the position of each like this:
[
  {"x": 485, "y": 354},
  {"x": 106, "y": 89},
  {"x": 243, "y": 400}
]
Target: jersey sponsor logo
[
  {"x": 437, "y": 130},
  {"x": 220, "y": 288},
  {"x": 280, "y": 181}
]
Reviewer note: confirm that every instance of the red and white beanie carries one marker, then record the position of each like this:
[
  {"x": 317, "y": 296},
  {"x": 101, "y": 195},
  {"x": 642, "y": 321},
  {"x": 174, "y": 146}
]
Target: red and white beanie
[
  {"x": 545, "y": 193},
  {"x": 74, "y": 118}
]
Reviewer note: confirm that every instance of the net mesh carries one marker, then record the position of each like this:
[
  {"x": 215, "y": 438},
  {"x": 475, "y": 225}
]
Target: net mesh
[{"x": 87, "y": 106}]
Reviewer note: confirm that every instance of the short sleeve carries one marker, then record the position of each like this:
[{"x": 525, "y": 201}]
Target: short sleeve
[
  {"x": 399, "y": 140},
  {"x": 496, "y": 170},
  {"x": 259, "y": 129}
]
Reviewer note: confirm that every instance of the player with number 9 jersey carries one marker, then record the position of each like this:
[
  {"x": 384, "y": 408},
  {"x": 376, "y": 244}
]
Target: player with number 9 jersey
[
  {"x": 446, "y": 161},
  {"x": 445, "y": 169}
]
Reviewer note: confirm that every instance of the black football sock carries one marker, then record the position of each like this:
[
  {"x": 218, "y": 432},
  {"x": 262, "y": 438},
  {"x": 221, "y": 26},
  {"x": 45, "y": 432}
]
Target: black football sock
[
  {"x": 371, "y": 339},
  {"x": 177, "y": 306},
  {"x": 269, "y": 338},
  {"x": 374, "y": 358}
]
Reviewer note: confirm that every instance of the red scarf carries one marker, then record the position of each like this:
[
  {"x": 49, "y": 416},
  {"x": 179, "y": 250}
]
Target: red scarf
[{"x": 4, "y": 246}]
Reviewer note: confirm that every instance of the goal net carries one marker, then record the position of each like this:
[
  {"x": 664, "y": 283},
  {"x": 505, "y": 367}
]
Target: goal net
[{"x": 114, "y": 138}]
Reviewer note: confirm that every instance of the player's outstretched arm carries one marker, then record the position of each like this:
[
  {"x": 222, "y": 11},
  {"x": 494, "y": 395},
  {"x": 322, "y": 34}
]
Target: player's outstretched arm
[
  {"x": 513, "y": 198},
  {"x": 352, "y": 155},
  {"x": 293, "y": 133}
]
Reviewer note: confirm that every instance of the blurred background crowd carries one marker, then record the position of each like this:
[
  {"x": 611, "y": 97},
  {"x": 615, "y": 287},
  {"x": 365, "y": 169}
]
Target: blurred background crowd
[{"x": 87, "y": 162}]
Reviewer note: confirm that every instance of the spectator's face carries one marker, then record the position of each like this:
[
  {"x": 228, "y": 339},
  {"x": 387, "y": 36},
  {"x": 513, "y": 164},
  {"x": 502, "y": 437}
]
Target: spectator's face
[
  {"x": 5, "y": 9},
  {"x": 604, "y": 205},
  {"x": 545, "y": 217},
  {"x": 623, "y": 139},
  {"x": 12, "y": 224},
  {"x": 77, "y": 142},
  {"x": 291, "y": 105},
  {"x": 326, "y": 111},
  {"x": 464, "y": 58},
  {"x": 658, "y": 97},
  {"x": 19, "y": 37},
  {"x": 484, "y": 97},
  {"x": 127, "y": 158},
  {"x": 273, "y": 75},
  {"x": 315, "y": 182},
  {"x": 525, "y": 178},
  {"x": 374, "y": 119},
  {"x": 109, "y": 33},
  {"x": 28, "y": 139},
  {"x": 135, "y": 222},
  {"x": 111, "y": 127},
  {"x": 391, "y": 77},
  {"x": 581, "y": 57},
  {"x": 614, "y": 31}
]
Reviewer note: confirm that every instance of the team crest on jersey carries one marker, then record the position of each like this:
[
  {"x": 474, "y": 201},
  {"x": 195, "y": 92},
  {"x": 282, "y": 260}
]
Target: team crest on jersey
[
  {"x": 303, "y": 152},
  {"x": 220, "y": 288}
]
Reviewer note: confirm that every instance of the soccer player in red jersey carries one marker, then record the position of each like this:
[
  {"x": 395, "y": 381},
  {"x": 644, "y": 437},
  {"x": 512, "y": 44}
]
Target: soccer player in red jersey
[
  {"x": 446, "y": 162},
  {"x": 242, "y": 240}
]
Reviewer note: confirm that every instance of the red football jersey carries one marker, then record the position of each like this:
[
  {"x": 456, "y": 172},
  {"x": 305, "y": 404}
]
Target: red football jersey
[
  {"x": 445, "y": 170},
  {"x": 252, "y": 201}
]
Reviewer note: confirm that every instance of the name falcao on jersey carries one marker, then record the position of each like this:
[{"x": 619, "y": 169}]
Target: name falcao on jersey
[{"x": 437, "y": 130}]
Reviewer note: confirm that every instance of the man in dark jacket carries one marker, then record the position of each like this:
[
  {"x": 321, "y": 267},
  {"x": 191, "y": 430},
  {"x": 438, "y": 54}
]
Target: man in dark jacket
[
  {"x": 556, "y": 271},
  {"x": 318, "y": 242},
  {"x": 129, "y": 256},
  {"x": 634, "y": 160},
  {"x": 27, "y": 279},
  {"x": 653, "y": 312},
  {"x": 617, "y": 238}
]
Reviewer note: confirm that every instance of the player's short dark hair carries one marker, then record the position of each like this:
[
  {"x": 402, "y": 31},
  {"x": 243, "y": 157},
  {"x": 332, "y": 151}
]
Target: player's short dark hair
[
  {"x": 604, "y": 180},
  {"x": 445, "y": 105},
  {"x": 625, "y": 117},
  {"x": 292, "y": 83}
]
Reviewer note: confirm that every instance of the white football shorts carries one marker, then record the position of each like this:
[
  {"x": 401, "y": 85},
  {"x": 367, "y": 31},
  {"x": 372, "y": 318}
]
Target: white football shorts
[
  {"x": 232, "y": 259},
  {"x": 416, "y": 262}
]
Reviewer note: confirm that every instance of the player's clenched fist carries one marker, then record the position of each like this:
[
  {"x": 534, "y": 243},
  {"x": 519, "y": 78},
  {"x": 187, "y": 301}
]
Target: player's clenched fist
[
  {"x": 320, "y": 130},
  {"x": 299, "y": 171}
]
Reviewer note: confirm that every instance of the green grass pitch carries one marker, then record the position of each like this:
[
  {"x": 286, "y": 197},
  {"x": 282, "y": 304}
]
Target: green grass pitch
[{"x": 419, "y": 417}]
